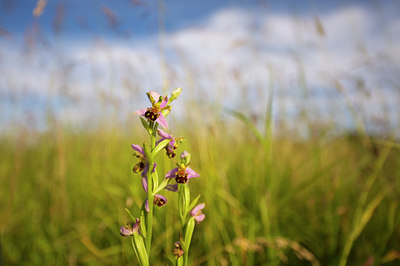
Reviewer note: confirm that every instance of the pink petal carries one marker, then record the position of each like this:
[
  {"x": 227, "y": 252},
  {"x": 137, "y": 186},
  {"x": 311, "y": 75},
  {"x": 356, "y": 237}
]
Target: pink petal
[
  {"x": 125, "y": 231},
  {"x": 144, "y": 183},
  {"x": 163, "y": 134},
  {"x": 172, "y": 173},
  {"x": 141, "y": 111},
  {"x": 184, "y": 154},
  {"x": 146, "y": 205},
  {"x": 154, "y": 95},
  {"x": 161, "y": 120},
  {"x": 191, "y": 173},
  {"x": 197, "y": 209},
  {"x": 138, "y": 148},
  {"x": 136, "y": 226},
  {"x": 200, "y": 218}
]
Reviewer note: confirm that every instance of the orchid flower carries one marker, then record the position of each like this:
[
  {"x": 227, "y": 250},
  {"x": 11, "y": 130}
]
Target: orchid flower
[
  {"x": 181, "y": 174},
  {"x": 143, "y": 165},
  {"x": 172, "y": 145},
  {"x": 197, "y": 214},
  {"x": 130, "y": 228},
  {"x": 154, "y": 113},
  {"x": 159, "y": 200}
]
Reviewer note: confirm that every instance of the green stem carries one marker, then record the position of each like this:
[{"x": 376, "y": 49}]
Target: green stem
[
  {"x": 181, "y": 204},
  {"x": 150, "y": 196}
]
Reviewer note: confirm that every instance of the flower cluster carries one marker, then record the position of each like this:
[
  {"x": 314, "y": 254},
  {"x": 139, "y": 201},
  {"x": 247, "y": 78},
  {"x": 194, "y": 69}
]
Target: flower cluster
[{"x": 189, "y": 212}]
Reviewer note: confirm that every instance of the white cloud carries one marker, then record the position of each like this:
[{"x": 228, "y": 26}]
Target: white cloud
[{"x": 231, "y": 51}]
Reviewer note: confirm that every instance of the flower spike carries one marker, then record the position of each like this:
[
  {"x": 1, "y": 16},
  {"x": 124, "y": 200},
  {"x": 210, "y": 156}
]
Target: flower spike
[{"x": 154, "y": 113}]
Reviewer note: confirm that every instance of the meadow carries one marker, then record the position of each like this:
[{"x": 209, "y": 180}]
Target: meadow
[{"x": 270, "y": 199}]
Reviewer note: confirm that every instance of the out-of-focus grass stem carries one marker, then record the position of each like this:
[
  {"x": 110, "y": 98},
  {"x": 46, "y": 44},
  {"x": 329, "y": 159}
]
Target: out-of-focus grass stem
[{"x": 364, "y": 213}]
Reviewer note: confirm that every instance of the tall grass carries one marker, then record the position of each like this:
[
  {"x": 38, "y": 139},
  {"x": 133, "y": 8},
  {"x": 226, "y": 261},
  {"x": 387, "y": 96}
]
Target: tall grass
[{"x": 324, "y": 201}]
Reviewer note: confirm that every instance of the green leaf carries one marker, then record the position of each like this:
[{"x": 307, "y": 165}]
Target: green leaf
[
  {"x": 141, "y": 250},
  {"x": 179, "y": 261},
  {"x": 181, "y": 203},
  {"x": 159, "y": 147},
  {"x": 188, "y": 236},
  {"x": 187, "y": 198},
  {"x": 163, "y": 184},
  {"x": 143, "y": 222},
  {"x": 145, "y": 124},
  {"x": 135, "y": 249},
  {"x": 130, "y": 214},
  {"x": 155, "y": 180}
]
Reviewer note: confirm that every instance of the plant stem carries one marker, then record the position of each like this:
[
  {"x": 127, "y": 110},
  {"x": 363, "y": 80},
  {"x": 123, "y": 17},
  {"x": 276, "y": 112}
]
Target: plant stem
[{"x": 150, "y": 196}]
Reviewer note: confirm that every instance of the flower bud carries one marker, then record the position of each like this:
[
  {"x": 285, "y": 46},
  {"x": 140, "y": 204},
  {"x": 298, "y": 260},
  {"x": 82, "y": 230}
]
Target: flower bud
[
  {"x": 130, "y": 229},
  {"x": 175, "y": 93},
  {"x": 185, "y": 158},
  {"x": 178, "y": 251}
]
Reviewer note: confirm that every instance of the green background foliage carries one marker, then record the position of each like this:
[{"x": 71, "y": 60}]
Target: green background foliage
[{"x": 320, "y": 200}]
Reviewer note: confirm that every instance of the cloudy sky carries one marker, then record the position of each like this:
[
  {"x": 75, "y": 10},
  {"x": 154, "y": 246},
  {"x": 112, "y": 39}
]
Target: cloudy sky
[{"x": 338, "y": 60}]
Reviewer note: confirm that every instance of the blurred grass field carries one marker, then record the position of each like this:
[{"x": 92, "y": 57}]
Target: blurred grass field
[{"x": 284, "y": 201}]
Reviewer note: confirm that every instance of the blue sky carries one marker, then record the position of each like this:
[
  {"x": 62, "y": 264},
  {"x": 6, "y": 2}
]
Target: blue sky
[{"x": 334, "y": 58}]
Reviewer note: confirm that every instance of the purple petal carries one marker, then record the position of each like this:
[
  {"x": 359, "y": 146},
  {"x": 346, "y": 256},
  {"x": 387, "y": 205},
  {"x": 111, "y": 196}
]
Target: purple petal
[
  {"x": 173, "y": 188},
  {"x": 191, "y": 173},
  {"x": 196, "y": 209},
  {"x": 162, "y": 121},
  {"x": 123, "y": 231},
  {"x": 140, "y": 111},
  {"x": 146, "y": 169},
  {"x": 172, "y": 143},
  {"x": 172, "y": 173},
  {"x": 161, "y": 197},
  {"x": 136, "y": 226},
  {"x": 164, "y": 102},
  {"x": 130, "y": 228},
  {"x": 163, "y": 134},
  {"x": 138, "y": 148},
  {"x": 144, "y": 183},
  {"x": 146, "y": 205}
]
